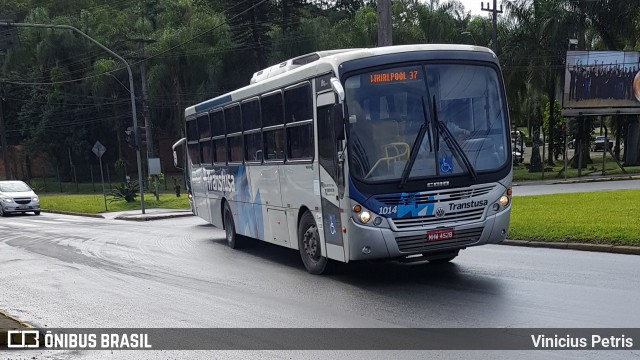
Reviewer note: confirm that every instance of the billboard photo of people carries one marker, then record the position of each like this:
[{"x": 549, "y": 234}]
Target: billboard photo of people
[{"x": 602, "y": 80}]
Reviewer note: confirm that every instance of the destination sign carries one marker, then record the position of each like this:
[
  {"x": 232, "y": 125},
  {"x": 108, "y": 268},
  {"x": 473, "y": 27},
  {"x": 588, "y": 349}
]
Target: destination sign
[{"x": 392, "y": 76}]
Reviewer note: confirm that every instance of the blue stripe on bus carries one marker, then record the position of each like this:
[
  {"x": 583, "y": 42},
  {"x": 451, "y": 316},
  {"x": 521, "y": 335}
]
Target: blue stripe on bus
[
  {"x": 408, "y": 206},
  {"x": 213, "y": 103}
]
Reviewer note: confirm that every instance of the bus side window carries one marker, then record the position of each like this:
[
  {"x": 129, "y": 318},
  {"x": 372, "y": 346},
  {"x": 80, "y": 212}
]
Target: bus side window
[
  {"x": 253, "y": 146},
  {"x": 273, "y": 144},
  {"x": 298, "y": 104},
  {"x": 300, "y": 142},
  {"x": 220, "y": 151},
  {"x": 235, "y": 148}
]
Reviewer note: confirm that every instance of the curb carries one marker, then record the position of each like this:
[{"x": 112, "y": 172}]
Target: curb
[
  {"x": 615, "y": 249},
  {"x": 150, "y": 217},
  {"x": 12, "y": 319},
  {"x": 575, "y": 180},
  {"x": 601, "y": 179},
  {"x": 73, "y": 213}
]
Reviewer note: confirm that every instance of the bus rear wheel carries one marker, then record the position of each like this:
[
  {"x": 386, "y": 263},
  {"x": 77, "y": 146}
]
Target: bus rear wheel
[
  {"x": 309, "y": 245},
  {"x": 230, "y": 227}
]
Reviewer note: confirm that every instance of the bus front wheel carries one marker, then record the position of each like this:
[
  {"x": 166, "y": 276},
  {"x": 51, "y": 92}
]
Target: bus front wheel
[
  {"x": 230, "y": 227},
  {"x": 309, "y": 245}
]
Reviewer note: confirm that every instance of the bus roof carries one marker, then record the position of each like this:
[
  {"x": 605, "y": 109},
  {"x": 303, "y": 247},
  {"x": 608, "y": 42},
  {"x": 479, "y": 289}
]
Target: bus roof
[{"x": 328, "y": 61}]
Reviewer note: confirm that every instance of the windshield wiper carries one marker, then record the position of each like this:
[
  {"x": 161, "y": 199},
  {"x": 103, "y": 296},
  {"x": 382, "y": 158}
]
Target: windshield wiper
[
  {"x": 416, "y": 145},
  {"x": 452, "y": 143}
]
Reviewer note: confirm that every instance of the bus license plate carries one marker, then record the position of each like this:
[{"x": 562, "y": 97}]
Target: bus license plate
[{"x": 440, "y": 234}]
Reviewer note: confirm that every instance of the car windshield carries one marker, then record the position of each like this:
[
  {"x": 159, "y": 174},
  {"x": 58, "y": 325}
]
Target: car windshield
[
  {"x": 14, "y": 186},
  {"x": 386, "y": 109}
]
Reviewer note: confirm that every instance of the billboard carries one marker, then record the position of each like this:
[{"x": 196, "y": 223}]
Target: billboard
[{"x": 601, "y": 83}]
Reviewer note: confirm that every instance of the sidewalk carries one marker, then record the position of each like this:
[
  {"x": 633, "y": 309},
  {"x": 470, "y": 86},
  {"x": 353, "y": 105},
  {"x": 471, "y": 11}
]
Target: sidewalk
[
  {"x": 150, "y": 214},
  {"x": 7, "y": 323},
  {"x": 131, "y": 215}
]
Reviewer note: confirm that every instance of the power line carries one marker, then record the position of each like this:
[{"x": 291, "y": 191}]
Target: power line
[{"x": 145, "y": 59}]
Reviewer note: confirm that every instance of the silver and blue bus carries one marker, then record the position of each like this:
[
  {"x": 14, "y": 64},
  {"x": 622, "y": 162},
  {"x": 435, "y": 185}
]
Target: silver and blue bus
[{"x": 398, "y": 152}]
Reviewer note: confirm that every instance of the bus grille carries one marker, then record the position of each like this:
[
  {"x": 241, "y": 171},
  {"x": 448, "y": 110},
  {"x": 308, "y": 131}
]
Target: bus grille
[
  {"x": 419, "y": 243},
  {"x": 435, "y": 196},
  {"x": 429, "y": 220}
]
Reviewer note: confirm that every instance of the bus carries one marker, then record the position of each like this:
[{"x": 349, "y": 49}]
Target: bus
[{"x": 399, "y": 152}]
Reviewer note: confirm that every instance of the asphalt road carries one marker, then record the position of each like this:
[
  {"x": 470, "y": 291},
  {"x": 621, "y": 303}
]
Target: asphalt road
[{"x": 64, "y": 271}]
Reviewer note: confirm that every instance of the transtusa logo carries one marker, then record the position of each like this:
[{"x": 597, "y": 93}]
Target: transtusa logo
[{"x": 221, "y": 182}]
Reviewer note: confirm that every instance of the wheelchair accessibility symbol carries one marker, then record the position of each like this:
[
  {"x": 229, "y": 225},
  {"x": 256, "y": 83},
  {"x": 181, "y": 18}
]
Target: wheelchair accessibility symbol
[
  {"x": 332, "y": 224},
  {"x": 446, "y": 164}
]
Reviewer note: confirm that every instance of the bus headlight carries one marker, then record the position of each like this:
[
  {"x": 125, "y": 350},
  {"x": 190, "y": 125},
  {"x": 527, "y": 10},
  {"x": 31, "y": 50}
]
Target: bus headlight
[
  {"x": 365, "y": 216},
  {"x": 504, "y": 200},
  {"x": 361, "y": 215}
]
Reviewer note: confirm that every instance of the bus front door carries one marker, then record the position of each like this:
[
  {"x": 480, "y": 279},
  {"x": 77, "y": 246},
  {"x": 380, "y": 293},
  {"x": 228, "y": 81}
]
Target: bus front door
[{"x": 331, "y": 188}]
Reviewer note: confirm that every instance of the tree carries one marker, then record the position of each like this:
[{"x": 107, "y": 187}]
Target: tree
[{"x": 539, "y": 34}]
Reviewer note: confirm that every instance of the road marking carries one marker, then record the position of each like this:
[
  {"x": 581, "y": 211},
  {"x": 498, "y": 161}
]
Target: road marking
[
  {"x": 11, "y": 223},
  {"x": 46, "y": 221},
  {"x": 76, "y": 219}
]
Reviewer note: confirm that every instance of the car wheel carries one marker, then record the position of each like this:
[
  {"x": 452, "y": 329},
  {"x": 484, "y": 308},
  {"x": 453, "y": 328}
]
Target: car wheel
[
  {"x": 230, "y": 227},
  {"x": 37, "y": 212},
  {"x": 309, "y": 245},
  {"x": 2, "y": 213}
]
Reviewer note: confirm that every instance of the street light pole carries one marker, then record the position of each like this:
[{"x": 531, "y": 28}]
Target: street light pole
[
  {"x": 131, "y": 89},
  {"x": 470, "y": 34}
]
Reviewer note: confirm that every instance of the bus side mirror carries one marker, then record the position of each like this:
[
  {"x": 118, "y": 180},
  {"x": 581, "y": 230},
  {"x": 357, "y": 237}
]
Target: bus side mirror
[
  {"x": 337, "y": 88},
  {"x": 175, "y": 160},
  {"x": 337, "y": 116},
  {"x": 180, "y": 144}
]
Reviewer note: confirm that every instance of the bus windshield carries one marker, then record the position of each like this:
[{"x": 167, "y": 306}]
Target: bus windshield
[{"x": 387, "y": 108}]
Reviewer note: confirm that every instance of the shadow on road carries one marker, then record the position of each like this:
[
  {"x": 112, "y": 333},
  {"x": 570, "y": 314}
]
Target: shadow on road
[{"x": 381, "y": 275}]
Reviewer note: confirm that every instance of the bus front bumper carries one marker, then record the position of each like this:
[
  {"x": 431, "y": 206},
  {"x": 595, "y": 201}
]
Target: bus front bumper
[{"x": 371, "y": 243}]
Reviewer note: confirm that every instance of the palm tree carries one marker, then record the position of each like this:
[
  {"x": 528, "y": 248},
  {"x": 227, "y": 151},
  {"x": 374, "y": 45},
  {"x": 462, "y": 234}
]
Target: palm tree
[{"x": 535, "y": 47}]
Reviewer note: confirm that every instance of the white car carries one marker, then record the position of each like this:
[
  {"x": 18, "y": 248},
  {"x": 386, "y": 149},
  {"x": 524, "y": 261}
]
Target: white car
[{"x": 17, "y": 197}]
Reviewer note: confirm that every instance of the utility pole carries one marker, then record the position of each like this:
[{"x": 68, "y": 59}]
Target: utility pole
[
  {"x": 495, "y": 12},
  {"x": 145, "y": 101},
  {"x": 145, "y": 108},
  {"x": 3, "y": 141},
  {"x": 384, "y": 23}
]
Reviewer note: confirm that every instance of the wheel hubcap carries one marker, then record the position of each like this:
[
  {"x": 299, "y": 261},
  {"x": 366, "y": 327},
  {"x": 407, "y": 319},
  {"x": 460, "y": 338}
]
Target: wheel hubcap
[{"x": 311, "y": 245}]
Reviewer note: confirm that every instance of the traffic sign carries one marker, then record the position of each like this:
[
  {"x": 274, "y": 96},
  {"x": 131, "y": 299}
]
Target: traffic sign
[{"x": 99, "y": 149}]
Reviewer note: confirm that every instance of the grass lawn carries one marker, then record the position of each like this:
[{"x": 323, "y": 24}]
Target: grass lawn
[
  {"x": 604, "y": 217},
  {"x": 94, "y": 204}
]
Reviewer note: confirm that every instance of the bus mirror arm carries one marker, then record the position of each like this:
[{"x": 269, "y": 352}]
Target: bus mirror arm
[
  {"x": 341, "y": 157},
  {"x": 337, "y": 116}
]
